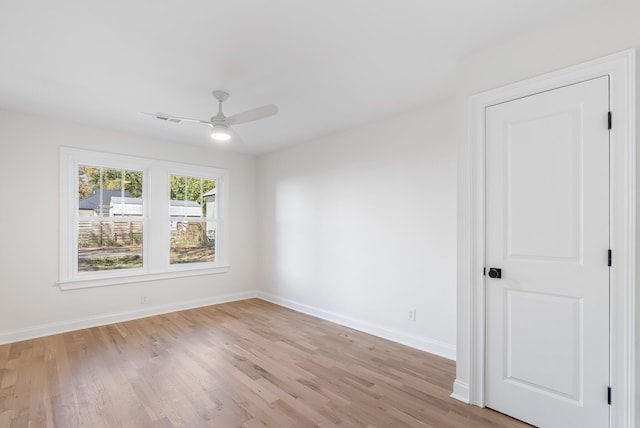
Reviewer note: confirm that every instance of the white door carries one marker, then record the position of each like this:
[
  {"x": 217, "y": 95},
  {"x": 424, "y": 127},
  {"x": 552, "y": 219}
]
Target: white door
[{"x": 547, "y": 229}]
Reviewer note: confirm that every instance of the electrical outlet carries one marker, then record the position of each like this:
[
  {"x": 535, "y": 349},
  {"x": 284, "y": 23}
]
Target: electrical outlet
[
  {"x": 143, "y": 300},
  {"x": 412, "y": 314}
]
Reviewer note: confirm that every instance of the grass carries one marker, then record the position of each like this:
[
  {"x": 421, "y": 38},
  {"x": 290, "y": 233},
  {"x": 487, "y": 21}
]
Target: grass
[
  {"x": 185, "y": 253},
  {"x": 109, "y": 263}
]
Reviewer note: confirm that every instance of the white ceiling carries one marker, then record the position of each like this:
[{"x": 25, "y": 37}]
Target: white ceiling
[{"x": 327, "y": 64}]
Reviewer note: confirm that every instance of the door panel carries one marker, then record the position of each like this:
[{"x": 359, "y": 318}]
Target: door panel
[
  {"x": 533, "y": 351},
  {"x": 542, "y": 214},
  {"x": 547, "y": 228}
]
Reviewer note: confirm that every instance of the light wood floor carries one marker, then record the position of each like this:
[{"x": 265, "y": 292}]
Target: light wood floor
[{"x": 248, "y": 363}]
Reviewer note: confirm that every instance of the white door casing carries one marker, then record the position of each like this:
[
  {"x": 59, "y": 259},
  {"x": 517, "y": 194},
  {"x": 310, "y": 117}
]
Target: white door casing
[
  {"x": 547, "y": 229},
  {"x": 620, "y": 68}
]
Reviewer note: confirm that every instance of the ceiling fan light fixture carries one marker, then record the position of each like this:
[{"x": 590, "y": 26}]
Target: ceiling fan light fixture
[
  {"x": 220, "y": 124},
  {"x": 220, "y": 133}
]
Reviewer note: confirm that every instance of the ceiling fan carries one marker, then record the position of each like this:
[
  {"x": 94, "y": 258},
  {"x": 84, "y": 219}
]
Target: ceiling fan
[{"x": 220, "y": 123}]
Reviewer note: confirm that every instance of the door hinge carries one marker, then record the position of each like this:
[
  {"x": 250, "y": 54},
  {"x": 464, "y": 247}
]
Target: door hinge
[
  {"x": 609, "y": 395},
  {"x": 609, "y": 258},
  {"x": 609, "y": 120}
]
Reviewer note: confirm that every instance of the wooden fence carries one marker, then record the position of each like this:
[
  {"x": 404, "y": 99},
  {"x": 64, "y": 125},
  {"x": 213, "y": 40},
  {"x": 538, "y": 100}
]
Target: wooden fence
[{"x": 108, "y": 233}]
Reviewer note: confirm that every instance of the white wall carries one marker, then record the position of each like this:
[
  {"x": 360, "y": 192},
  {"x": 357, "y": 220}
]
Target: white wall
[
  {"x": 30, "y": 302},
  {"x": 584, "y": 37},
  {"x": 359, "y": 227}
]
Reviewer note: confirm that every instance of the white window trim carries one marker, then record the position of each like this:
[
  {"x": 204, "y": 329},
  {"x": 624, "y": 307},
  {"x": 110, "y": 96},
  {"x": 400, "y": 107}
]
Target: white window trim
[
  {"x": 620, "y": 68},
  {"x": 206, "y": 173},
  {"x": 155, "y": 194}
]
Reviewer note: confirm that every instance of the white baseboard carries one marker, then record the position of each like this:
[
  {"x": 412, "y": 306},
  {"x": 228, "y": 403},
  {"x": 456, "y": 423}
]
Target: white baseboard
[
  {"x": 460, "y": 391},
  {"x": 432, "y": 346},
  {"x": 71, "y": 325}
]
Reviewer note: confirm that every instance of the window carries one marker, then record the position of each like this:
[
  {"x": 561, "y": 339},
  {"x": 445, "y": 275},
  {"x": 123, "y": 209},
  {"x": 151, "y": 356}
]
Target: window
[
  {"x": 113, "y": 229},
  {"x": 109, "y": 226},
  {"x": 192, "y": 209}
]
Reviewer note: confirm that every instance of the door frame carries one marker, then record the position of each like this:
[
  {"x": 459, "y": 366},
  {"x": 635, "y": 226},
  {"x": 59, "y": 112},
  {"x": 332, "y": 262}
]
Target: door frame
[{"x": 620, "y": 68}]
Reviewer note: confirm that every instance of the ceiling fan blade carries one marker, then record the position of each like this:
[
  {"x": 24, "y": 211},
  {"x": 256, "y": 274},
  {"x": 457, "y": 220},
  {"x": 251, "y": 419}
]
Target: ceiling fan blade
[
  {"x": 175, "y": 119},
  {"x": 253, "y": 114},
  {"x": 234, "y": 136}
]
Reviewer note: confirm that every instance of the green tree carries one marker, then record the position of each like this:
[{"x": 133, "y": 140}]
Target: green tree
[
  {"x": 189, "y": 188},
  {"x": 91, "y": 178}
]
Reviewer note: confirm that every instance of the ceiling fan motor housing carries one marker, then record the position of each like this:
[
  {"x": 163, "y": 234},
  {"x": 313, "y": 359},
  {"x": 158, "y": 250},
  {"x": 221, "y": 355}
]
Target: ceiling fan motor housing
[{"x": 220, "y": 95}]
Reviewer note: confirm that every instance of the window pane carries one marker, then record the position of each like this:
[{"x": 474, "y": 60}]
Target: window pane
[
  {"x": 102, "y": 192},
  {"x": 88, "y": 190},
  {"x": 133, "y": 183},
  {"x": 193, "y": 189},
  {"x": 109, "y": 245},
  {"x": 209, "y": 196},
  {"x": 177, "y": 188},
  {"x": 192, "y": 242}
]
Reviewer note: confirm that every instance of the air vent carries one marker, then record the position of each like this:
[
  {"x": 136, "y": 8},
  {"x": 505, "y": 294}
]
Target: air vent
[{"x": 169, "y": 119}]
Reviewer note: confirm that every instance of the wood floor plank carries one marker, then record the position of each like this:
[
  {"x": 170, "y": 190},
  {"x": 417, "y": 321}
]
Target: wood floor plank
[{"x": 241, "y": 364}]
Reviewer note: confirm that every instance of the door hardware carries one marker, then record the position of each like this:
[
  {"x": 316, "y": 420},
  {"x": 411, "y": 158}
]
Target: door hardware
[{"x": 495, "y": 273}]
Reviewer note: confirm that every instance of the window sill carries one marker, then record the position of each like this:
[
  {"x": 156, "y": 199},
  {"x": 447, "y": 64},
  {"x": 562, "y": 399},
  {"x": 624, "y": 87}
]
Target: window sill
[{"x": 141, "y": 277}]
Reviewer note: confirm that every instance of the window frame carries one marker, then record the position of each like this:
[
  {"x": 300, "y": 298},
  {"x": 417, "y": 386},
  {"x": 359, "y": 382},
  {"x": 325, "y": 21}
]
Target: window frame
[
  {"x": 77, "y": 219},
  {"x": 190, "y": 172},
  {"x": 155, "y": 239}
]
